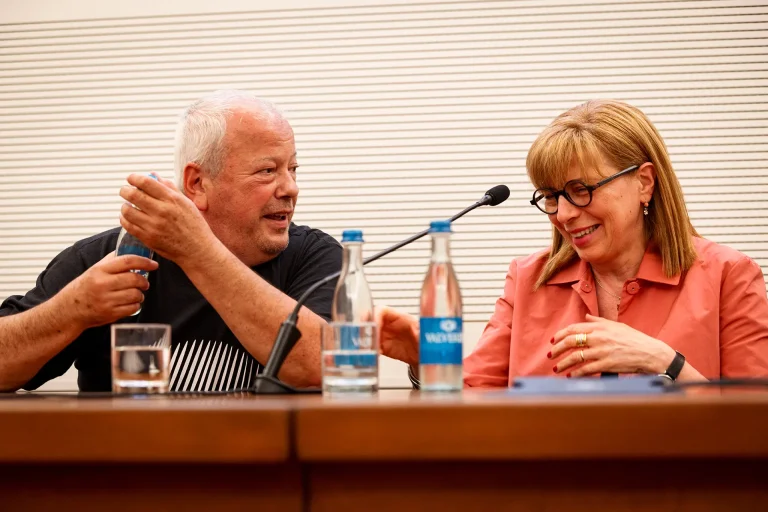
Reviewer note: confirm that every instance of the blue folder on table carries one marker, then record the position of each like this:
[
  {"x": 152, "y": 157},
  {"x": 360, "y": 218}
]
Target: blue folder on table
[{"x": 635, "y": 385}]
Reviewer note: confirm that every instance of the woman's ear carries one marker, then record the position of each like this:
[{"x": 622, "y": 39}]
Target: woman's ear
[
  {"x": 193, "y": 185},
  {"x": 646, "y": 176}
]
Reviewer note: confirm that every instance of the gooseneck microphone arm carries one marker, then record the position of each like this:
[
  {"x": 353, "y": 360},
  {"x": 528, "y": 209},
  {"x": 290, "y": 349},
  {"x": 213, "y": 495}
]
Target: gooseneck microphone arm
[
  {"x": 267, "y": 382},
  {"x": 416, "y": 236}
]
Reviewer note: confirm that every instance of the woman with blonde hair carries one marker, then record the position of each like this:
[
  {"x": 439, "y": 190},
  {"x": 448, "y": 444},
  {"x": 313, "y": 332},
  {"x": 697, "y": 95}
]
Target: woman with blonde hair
[{"x": 627, "y": 286}]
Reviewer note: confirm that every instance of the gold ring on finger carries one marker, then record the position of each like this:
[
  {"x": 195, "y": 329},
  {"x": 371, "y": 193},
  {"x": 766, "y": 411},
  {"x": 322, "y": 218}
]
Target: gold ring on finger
[
  {"x": 581, "y": 339},
  {"x": 581, "y": 353}
]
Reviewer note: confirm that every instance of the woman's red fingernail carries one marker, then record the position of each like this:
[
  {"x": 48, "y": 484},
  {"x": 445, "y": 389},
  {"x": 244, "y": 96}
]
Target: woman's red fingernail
[
  {"x": 549, "y": 355},
  {"x": 568, "y": 375},
  {"x": 552, "y": 341},
  {"x": 554, "y": 368}
]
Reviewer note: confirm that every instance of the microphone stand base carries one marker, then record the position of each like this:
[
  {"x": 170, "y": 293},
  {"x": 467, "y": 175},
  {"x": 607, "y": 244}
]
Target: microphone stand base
[{"x": 268, "y": 385}]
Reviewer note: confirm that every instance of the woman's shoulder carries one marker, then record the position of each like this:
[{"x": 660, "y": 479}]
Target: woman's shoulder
[
  {"x": 532, "y": 262},
  {"x": 709, "y": 253},
  {"x": 715, "y": 258},
  {"x": 527, "y": 269}
]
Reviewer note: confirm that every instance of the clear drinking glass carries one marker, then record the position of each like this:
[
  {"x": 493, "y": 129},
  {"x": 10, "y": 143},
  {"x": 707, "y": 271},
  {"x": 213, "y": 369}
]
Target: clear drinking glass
[
  {"x": 350, "y": 358},
  {"x": 141, "y": 358}
]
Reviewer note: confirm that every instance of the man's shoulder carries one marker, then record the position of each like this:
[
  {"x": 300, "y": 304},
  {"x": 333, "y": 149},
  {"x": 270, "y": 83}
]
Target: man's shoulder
[
  {"x": 86, "y": 252},
  {"x": 98, "y": 245},
  {"x": 301, "y": 236},
  {"x": 310, "y": 256}
]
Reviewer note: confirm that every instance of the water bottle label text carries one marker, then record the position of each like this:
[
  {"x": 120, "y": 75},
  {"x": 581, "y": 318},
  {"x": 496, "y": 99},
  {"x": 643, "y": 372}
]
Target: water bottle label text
[{"x": 440, "y": 340}]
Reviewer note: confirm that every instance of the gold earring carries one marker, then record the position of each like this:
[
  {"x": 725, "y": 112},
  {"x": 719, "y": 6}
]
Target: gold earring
[{"x": 645, "y": 209}]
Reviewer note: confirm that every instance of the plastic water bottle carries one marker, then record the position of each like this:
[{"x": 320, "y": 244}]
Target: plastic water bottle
[
  {"x": 351, "y": 351},
  {"x": 129, "y": 244},
  {"x": 440, "y": 322}
]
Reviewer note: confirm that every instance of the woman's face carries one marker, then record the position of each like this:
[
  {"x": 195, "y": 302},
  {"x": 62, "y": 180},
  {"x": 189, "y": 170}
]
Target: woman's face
[{"x": 610, "y": 228}]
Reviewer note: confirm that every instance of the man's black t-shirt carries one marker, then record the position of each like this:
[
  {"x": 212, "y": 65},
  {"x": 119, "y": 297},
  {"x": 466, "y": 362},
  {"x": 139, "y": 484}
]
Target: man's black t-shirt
[{"x": 205, "y": 354}]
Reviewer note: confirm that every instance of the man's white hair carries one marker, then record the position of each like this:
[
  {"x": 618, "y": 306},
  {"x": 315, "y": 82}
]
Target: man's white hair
[{"x": 201, "y": 129}]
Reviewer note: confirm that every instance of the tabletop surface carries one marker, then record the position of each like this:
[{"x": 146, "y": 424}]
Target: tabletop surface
[{"x": 392, "y": 425}]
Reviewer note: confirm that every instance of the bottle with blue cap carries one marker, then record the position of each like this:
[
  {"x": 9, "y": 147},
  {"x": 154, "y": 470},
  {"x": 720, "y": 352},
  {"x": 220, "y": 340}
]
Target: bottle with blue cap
[
  {"x": 440, "y": 319},
  {"x": 350, "y": 348},
  {"x": 129, "y": 244}
]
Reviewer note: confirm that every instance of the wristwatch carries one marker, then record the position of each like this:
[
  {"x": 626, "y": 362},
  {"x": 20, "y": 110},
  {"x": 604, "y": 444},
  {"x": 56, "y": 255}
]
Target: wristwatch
[
  {"x": 414, "y": 380},
  {"x": 673, "y": 370}
]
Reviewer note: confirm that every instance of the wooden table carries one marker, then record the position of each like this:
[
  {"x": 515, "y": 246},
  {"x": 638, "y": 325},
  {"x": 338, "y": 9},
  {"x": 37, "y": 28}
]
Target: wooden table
[
  {"x": 399, "y": 451},
  {"x": 158, "y": 453},
  {"x": 705, "y": 451}
]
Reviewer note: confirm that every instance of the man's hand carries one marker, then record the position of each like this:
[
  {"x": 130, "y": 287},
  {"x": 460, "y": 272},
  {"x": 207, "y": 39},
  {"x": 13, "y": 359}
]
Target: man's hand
[
  {"x": 108, "y": 290},
  {"x": 164, "y": 219}
]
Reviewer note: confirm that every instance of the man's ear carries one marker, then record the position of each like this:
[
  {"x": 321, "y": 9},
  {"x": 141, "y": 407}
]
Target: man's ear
[
  {"x": 194, "y": 186},
  {"x": 646, "y": 175}
]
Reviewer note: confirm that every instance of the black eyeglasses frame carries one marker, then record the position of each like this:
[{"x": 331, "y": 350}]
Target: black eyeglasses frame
[{"x": 539, "y": 192}]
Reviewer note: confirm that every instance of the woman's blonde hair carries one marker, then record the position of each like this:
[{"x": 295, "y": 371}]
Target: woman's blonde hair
[{"x": 621, "y": 135}]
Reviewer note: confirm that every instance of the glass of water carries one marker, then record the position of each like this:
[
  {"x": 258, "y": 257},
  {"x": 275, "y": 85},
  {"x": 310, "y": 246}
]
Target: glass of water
[
  {"x": 141, "y": 358},
  {"x": 350, "y": 358}
]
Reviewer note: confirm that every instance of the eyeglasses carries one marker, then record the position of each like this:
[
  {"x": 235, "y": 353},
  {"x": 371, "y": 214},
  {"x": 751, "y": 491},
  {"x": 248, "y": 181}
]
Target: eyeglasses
[{"x": 576, "y": 192}]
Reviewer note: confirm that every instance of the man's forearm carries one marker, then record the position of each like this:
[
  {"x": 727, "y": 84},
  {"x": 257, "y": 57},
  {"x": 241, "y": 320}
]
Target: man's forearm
[
  {"x": 30, "y": 339},
  {"x": 254, "y": 309}
]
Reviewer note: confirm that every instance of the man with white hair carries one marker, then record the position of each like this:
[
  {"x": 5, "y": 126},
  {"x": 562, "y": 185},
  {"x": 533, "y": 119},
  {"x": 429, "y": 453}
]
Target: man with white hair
[{"x": 229, "y": 265}]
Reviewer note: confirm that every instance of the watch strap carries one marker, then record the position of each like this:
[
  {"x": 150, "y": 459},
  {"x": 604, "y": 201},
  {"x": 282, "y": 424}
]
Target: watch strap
[
  {"x": 414, "y": 380},
  {"x": 676, "y": 366}
]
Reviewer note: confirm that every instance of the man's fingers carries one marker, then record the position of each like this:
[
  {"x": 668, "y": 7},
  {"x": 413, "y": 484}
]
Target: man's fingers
[
  {"x": 134, "y": 216},
  {"x": 147, "y": 193},
  {"x": 139, "y": 199},
  {"x": 128, "y": 281},
  {"x": 149, "y": 186},
  {"x": 132, "y": 227},
  {"x": 127, "y": 310},
  {"x": 108, "y": 257},
  {"x": 127, "y": 262},
  {"x": 168, "y": 183},
  {"x": 127, "y": 297}
]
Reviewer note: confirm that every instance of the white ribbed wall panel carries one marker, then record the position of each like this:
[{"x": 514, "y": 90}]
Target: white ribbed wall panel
[{"x": 403, "y": 111}]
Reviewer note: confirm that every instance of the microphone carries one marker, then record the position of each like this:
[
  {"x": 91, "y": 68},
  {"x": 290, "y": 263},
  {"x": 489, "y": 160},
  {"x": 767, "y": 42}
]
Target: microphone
[
  {"x": 493, "y": 197},
  {"x": 267, "y": 382}
]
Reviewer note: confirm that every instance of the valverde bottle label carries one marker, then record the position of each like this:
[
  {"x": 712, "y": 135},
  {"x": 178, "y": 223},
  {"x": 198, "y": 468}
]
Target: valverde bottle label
[{"x": 440, "y": 340}]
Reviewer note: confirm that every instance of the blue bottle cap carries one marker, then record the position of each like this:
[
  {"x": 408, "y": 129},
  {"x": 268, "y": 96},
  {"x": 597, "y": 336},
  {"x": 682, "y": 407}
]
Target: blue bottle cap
[
  {"x": 351, "y": 235},
  {"x": 440, "y": 226}
]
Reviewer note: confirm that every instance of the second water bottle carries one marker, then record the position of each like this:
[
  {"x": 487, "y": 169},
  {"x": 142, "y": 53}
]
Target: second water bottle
[
  {"x": 440, "y": 322},
  {"x": 350, "y": 346}
]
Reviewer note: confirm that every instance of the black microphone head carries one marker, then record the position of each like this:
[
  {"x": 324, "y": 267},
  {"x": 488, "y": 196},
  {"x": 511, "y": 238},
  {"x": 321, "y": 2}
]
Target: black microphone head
[{"x": 496, "y": 195}]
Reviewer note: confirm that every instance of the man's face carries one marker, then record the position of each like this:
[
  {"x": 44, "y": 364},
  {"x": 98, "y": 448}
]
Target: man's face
[{"x": 252, "y": 198}]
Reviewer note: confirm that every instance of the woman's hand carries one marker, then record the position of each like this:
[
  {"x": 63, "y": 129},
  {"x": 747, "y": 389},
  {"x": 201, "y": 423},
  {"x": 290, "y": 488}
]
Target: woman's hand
[
  {"x": 398, "y": 335},
  {"x": 611, "y": 347}
]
